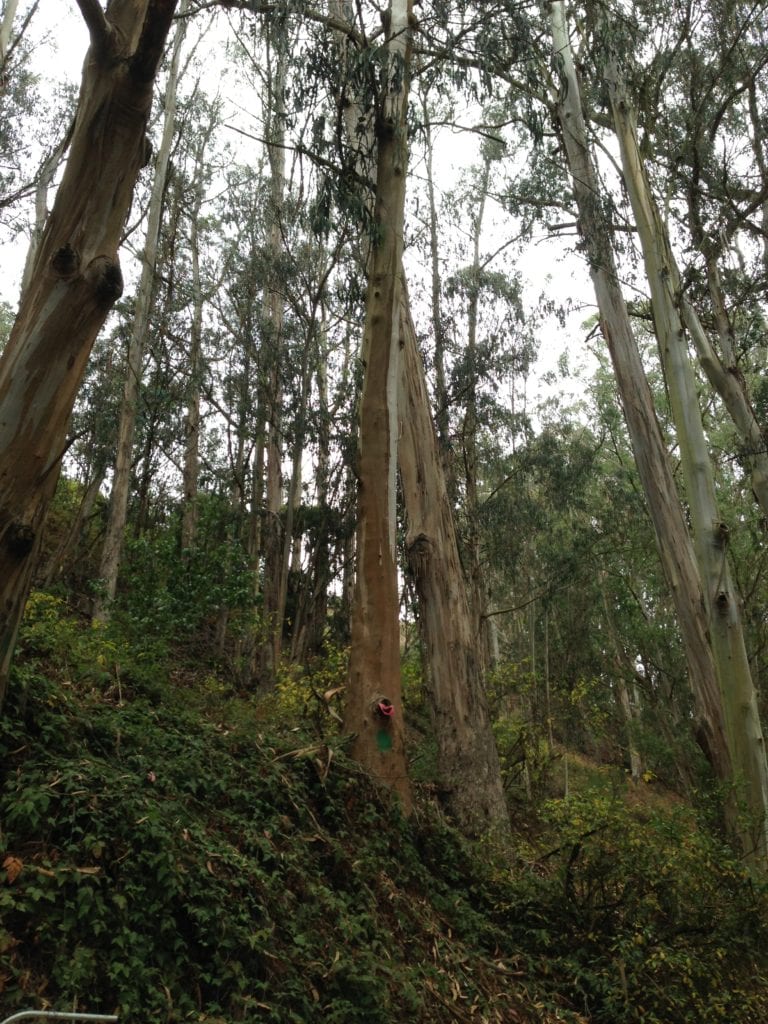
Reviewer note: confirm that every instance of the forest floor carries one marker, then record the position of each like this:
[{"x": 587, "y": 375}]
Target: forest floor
[{"x": 173, "y": 851}]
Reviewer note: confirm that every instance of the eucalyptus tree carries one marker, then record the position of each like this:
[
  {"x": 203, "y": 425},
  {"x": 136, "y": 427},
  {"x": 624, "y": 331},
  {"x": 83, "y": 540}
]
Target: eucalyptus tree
[
  {"x": 673, "y": 540},
  {"x": 111, "y": 551},
  {"x": 276, "y": 55},
  {"x": 468, "y": 761},
  {"x": 710, "y": 531},
  {"x": 735, "y": 743},
  {"x": 374, "y": 671},
  {"x": 74, "y": 283}
]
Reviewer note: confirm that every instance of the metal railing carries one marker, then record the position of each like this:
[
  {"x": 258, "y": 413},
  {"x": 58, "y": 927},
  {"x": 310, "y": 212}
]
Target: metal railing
[{"x": 106, "y": 1018}]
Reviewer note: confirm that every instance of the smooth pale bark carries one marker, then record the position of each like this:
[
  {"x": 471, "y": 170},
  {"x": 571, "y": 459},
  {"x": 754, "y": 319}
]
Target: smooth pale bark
[
  {"x": 118, "y": 508},
  {"x": 442, "y": 421},
  {"x": 273, "y": 587},
  {"x": 468, "y": 763},
  {"x": 473, "y": 558},
  {"x": 75, "y": 282},
  {"x": 191, "y": 469},
  {"x": 374, "y": 670},
  {"x": 6, "y": 28},
  {"x": 651, "y": 457},
  {"x": 710, "y": 532}
]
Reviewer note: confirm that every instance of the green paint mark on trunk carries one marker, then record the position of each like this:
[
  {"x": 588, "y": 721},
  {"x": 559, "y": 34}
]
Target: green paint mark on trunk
[{"x": 384, "y": 740}]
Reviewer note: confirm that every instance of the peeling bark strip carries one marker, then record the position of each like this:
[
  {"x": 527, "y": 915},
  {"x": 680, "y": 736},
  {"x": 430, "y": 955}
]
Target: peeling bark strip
[
  {"x": 468, "y": 760},
  {"x": 74, "y": 281}
]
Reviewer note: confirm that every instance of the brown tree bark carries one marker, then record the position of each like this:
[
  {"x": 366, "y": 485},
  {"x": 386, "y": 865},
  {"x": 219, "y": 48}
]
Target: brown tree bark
[
  {"x": 374, "y": 672},
  {"x": 467, "y": 757},
  {"x": 75, "y": 281}
]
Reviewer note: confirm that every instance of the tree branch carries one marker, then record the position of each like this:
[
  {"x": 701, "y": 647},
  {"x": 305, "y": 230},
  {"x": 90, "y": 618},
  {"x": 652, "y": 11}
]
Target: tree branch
[
  {"x": 157, "y": 23},
  {"x": 96, "y": 23}
]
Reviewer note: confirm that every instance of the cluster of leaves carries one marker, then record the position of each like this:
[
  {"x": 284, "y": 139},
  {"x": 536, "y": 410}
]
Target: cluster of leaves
[
  {"x": 311, "y": 694},
  {"x": 165, "y": 854}
]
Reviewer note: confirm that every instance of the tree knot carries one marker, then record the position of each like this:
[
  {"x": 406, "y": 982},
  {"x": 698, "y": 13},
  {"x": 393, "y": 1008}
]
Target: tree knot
[
  {"x": 19, "y": 540},
  {"x": 104, "y": 274},
  {"x": 65, "y": 262}
]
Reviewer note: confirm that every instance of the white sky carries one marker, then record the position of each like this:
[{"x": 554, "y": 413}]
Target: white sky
[{"x": 548, "y": 266}]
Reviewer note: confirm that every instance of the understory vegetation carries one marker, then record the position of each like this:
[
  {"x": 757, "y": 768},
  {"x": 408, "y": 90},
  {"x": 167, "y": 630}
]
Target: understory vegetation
[{"x": 176, "y": 850}]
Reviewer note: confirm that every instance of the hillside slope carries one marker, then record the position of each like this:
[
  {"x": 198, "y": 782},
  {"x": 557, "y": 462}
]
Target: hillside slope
[{"x": 164, "y": 859}]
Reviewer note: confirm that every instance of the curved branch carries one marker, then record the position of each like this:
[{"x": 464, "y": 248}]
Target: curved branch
[{"x": 97, "y": 24}]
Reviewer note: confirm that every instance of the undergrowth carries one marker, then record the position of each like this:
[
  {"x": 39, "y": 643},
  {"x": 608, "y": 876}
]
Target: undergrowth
[{"x": 169, "y": 854}]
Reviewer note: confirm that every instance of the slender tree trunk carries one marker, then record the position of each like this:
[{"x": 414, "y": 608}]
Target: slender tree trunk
[
  {"x": 6, "y": 29},
  {"x": 191, "y": 471},
  {"x": 75, "y": 282},
  {"x": 273, "y": 531},
  {"x": 74, "y": 535},
  {"x": 619, "y": 659},
  {"x": 374, "y": 672},
  {"x": 710, "y": 532},
  {"x": 727, "y": 380},
  {"x": 442, "y": 413},
  {"x": 118, "y": 510},
  {"x": 672, "y": 538},
  {"x": 291, "y": 545},
  {"x": 45, "y": 176},
  {"x": 473, "y": 554}
]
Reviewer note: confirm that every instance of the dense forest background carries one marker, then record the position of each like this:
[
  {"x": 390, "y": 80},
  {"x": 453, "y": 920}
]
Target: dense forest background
[{"x": 454, "y": 479}]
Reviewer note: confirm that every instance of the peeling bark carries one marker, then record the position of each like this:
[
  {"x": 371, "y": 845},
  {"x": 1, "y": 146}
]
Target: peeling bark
[
  {"x": 672, "y": 538},
  {"x": 468, "y": 761},
  {"x": 710, "y": 533}
]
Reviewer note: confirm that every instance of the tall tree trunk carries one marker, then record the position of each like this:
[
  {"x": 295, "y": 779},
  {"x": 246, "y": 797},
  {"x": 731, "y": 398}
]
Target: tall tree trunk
[
  {"x": 291, "y": 545},
  {"x": 118, "y": 508},
  {"x": 273, "y": 532},
  {"x": 6, "y": 29},
  {"x": 191, "y": 470},
  {"x": 468, "y": 761},
  {"x": 473, "y": 556},
  {"x": 374, "y": 673},
  {"x": 672, "y": 538},
  {"x": 710, "y": 532},
  {"x": 75, "y": 282},
  {"x": 442, "y": 412}
]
